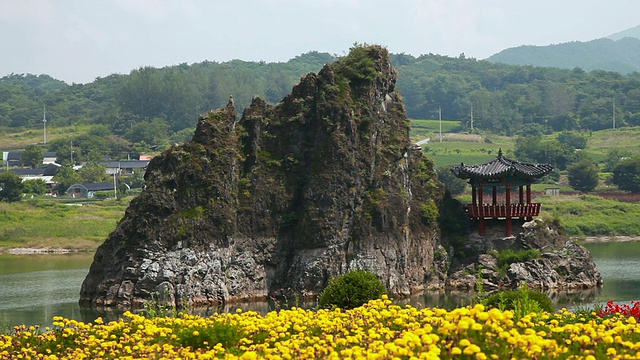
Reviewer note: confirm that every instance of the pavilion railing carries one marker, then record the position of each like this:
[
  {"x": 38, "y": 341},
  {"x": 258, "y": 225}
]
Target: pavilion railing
[{"x": 503, "y": 210}]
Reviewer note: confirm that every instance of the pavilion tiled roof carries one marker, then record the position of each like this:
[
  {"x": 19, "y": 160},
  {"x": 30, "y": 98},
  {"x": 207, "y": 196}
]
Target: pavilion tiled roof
[{"x": 501, "y": 167}]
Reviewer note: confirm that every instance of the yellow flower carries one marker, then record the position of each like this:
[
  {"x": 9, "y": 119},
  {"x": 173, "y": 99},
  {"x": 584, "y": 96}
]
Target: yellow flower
[
  {"x": 471, "y": 349},
  {"x": 249, "y": 355}
]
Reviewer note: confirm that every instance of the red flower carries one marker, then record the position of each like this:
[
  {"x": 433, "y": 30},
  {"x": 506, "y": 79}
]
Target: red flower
[{"x": 625, "y": 309}]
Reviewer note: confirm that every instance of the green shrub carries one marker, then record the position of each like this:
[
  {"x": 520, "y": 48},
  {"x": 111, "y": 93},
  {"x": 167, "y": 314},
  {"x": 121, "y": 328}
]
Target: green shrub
[
  {"x": 508, "y": 256},
  {"x": 522, "y": 301},
  {"x": 429, "y": 212},
  {"x": 34, "y": 186},
  {"x": 351, "y": 290}
]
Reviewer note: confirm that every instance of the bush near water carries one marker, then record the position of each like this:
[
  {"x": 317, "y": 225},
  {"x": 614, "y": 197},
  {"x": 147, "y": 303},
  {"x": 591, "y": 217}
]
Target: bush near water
[{"x": 351, "y": 290}]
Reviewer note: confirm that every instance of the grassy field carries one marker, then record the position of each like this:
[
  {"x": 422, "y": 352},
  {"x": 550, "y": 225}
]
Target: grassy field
[
  {"x": 51, "y": 224},
  {"x": 467, "y": 148},
  {"x": 13, "y": 139},
  {"x": 457, "y": 147},
  {"x": 600, "y": 142},
  {"x": 422, "y": 129},
  {"x": 590, "y": 215}
]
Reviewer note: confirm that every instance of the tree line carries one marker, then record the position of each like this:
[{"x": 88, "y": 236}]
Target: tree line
[{"x": 151, "y": 108}]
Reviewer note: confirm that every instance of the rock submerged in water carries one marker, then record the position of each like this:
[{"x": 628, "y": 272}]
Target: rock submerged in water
[{"x": 292, "y": 195}]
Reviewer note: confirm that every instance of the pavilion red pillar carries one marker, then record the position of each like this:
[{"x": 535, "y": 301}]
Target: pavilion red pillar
[
  {"x": 494, "y": 200},
  {"x": 529, "y": 199},
  {"x": 473, "y": 195},
  {"x": 481, "y": 212},
  {"x": 508, "y": 209},
  {"x": 521, "y": 194}
]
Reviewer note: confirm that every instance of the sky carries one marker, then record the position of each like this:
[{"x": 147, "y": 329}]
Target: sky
[{"x": 78, "y": 41}]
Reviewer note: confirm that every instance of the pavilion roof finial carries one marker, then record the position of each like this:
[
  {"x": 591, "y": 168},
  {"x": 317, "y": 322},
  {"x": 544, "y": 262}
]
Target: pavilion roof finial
[{"x": 500, "y": 155}]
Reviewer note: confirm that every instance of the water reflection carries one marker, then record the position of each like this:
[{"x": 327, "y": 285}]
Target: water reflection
[
  {"x": 35, "y": 288},
  {"x": 619, "y": 264}
]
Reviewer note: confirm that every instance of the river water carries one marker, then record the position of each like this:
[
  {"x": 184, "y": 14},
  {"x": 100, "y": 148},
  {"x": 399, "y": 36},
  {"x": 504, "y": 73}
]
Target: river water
[{"x": 35, "y": 288}]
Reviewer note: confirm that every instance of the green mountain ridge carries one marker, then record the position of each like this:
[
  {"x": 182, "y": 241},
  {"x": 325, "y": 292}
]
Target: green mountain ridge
[
  {"x": 633, "y": 32},
  {"x": 621, "y": 55}
]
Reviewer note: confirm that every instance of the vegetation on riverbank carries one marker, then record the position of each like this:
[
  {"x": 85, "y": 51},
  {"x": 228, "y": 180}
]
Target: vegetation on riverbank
[
  {"x": 378, "y": 329},
  {"x": 56, "y": 224},
  {"x": 590, "y": 215}
]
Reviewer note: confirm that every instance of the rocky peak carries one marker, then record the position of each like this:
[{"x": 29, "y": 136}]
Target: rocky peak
[{"x": 291, "y": 195}]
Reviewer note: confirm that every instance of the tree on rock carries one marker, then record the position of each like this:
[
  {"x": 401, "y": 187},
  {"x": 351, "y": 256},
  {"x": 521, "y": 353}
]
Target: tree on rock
[{"x": 583, "y": 176}]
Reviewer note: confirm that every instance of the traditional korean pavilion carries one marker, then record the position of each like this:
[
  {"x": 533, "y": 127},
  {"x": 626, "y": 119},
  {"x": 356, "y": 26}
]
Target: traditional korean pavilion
[{"x": 501, "y": 172}]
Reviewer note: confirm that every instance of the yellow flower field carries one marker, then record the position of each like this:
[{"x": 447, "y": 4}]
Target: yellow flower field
[{"x": 377, "y": 330}]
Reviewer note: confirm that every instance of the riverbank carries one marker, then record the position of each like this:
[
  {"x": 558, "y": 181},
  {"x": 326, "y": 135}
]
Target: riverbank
[
  {"x": 93, "y": 246},
  {"x": 39, "y": 251},
  {"x": 48, "y": 226},
  {"x": 607, "y": 239}
]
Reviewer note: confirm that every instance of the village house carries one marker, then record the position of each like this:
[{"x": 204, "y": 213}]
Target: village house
[
  {"x": 125, "y": 168},
  {"x": 44, "y": 173}
]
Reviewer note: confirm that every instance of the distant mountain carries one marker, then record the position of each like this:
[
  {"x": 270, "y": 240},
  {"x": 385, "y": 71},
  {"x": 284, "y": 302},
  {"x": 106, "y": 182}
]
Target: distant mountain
[
  {"x": 621, "y": 55},
  {"x": 633, "y": 32}
]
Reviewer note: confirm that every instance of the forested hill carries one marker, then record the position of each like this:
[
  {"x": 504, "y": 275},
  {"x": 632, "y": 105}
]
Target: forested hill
[
  {"x": 633, "y": 32},
  {"x": 153, "y": 107},
  {"x": 621, "y": 55}
]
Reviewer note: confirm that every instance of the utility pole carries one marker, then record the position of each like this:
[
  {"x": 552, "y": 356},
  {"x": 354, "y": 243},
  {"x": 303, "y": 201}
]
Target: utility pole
[
  {"x": 44, "y": 121},
  {"x": 471, "y": 117},
  {"x": 440, "y": 120},
  {"x": 614, "y": 112},
  {"x": 71, "y": 147}
]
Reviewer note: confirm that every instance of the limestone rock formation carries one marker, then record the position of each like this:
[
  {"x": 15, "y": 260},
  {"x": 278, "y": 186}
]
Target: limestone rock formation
[
  {"x": 292, "y": 195},
  {"x": 282, "y": 200}
]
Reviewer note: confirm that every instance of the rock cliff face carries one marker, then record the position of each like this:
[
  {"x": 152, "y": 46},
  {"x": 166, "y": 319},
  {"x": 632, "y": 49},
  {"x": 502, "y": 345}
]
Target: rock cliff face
[
  {"x": 562, "y": 264},
  {"x": 291, "y": 195}
]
